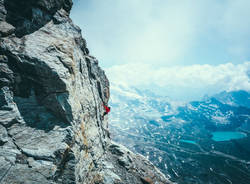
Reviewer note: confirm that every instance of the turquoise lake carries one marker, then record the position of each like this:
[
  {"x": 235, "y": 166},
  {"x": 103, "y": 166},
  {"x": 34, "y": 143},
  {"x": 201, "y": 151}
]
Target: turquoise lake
[
  {"x": 227, "y": 136},
  {"x": 188, "y": 141}
]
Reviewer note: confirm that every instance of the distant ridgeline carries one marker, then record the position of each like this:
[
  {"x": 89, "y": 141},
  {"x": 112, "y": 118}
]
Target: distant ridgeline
[{"x": 198, "y": 142}]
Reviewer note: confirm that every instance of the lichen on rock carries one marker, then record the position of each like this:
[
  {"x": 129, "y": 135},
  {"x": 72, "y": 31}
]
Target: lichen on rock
[{"x": 52, "y": 92}]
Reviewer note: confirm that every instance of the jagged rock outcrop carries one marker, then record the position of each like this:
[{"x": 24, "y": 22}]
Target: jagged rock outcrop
[{"x": 52, "y": 92}]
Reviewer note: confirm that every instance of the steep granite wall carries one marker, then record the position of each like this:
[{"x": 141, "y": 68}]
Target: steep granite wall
[{"x": 51, "y": 103}]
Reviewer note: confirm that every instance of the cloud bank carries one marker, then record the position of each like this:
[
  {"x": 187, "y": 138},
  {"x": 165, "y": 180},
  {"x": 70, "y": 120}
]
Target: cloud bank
[
  {"x": 183, "y": 49},
  {"x": 183, "y": 82}
]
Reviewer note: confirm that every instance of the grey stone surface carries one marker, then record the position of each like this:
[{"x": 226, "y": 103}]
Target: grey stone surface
[
  {"x": 52, "y": 93},
  {"x": 6, "y": 29}
]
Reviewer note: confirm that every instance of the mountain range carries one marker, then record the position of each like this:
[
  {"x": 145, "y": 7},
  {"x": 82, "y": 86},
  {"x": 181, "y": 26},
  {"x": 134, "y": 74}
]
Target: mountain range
[{"x": 188, "y": 141}]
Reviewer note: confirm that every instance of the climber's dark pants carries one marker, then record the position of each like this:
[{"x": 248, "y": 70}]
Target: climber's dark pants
[{"x": 105, "y": 113}]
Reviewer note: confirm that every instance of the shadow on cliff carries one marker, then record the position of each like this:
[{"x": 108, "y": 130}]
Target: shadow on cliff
[
  {"x": 36, "y": 115},
  {"x": 37, "y": 112},
  {"x": 36, "y": 93},
  {"x": 27, "y": 16}
]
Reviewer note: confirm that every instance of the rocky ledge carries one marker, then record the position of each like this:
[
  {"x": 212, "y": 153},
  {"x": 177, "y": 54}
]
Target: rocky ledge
[{"x": 52, "y": 92}]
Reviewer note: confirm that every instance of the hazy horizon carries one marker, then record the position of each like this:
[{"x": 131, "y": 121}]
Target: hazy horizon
[{"x": 184, "y": 50}]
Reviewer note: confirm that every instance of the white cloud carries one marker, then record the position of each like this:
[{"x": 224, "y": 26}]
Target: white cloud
[
  {"x": 138, "y": 30},
  {"x": 183, "y": 82},
  {"x": 143, "y": 40},
  {"x": 234, "y": 27},
  {"x": 164, "y": 32}
]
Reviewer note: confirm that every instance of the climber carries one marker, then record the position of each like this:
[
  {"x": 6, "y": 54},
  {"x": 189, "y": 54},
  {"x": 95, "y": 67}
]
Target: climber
[{"x": 107, "y": 110}]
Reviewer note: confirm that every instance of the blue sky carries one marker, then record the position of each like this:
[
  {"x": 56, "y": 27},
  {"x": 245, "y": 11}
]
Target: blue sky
[{"x": 166, "y": 35}]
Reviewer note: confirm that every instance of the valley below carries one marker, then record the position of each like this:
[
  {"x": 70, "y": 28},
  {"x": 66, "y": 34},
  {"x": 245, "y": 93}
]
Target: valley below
[{"x": 199, "y": 142}]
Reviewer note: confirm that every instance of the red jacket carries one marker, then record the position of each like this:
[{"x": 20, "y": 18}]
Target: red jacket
[{"x": 107, "y": 109}]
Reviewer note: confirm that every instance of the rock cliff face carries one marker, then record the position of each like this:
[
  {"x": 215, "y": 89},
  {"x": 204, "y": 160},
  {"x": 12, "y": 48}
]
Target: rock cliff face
[{"x": 52, "y": 92}]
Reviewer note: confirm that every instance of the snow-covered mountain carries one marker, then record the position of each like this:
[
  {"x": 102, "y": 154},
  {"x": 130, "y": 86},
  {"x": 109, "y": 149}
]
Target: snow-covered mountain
[
  {"x": 177, "y": 136},
  {"x": 224, "y": 110},
  {"x": 234, "y": 98}
]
